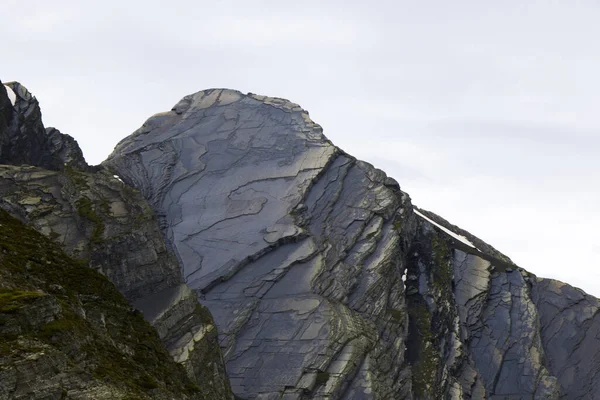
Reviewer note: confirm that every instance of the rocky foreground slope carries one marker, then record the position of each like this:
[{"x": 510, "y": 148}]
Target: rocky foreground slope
[
  {"x": 110, "y": 228},
  {"x": 324, "y": 281},
  {"x": 66, "y": 332}
]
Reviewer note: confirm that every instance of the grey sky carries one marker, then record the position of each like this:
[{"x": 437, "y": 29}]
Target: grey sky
[{"x": 485, "y": 112}]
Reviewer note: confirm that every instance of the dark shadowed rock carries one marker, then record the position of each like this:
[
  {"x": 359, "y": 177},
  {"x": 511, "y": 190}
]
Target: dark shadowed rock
[
  {"x": 6, "y": 114},
  {"x": 66, "y": 149},
  {"x": 99, "y": 219},
  {"x": 25, "y": 141},
  {"x": 23, "y": 138}
]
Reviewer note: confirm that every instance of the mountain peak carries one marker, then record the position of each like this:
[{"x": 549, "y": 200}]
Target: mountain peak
[{"x": 323, "y": 279}]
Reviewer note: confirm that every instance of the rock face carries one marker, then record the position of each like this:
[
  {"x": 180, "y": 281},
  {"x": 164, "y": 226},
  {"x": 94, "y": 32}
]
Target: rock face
[
  {"x": 474, "y": 326},
  {"x": 23, "y": 138},
  {"x": 66, "y": 149},
  {"x": 293, "y": 245},
  {"x": 98, "y": 219},
  {"x": 570, "y": 331},
  {"x": 324, "y": 280}
]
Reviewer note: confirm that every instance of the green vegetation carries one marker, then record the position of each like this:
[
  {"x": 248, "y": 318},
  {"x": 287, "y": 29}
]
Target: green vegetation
[
  {"x": 397, "y": 315},
  {"x": 442, "y": 264},
  {"x": 428, "y": 325},
  {"x": 205, "y": 315},
  {"x": 397, "y": 223},
  {"x": 86, "y": 209},
  {"x": 78, "y": 177},
  {"x": 95, "y": 329},
  {"x": 11, "y": 300},
  {"x": 425, "y": 367},
  {"x": 322, "y": 378}
]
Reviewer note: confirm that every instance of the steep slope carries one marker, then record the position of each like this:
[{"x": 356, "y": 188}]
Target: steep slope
[
  {"x": 570, "y": 332},
  {"x": 66, "y": 332},
  {"x": 293, "y": 245},
  {"x": 301, "y": 251},
  {"x": 474, "y": 327},
  {"x": 112, "y": 229},
  {"x": 23, "y": 138},
  {"x": 324, "y": 280}
]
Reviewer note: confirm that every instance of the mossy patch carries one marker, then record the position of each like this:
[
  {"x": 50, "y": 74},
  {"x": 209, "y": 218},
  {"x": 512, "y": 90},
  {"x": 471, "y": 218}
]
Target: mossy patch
[
  {"x": 79, "y": 178},
  {"x": 442, "y": 269},
  {"x": 397, "y": 315},
  {"x": 322, "y": 378},
  {"x": 397, "y": 223},
  {"x": 96, "y": 329},
  {"x": 11, "y": 300},
  {"x": 86, "y": 209},
  {"x": 426, "y": 359},
  {"x": 431, "y": 314}
]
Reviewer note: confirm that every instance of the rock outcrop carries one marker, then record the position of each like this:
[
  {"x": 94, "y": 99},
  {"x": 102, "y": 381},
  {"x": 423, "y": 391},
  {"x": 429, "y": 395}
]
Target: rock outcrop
[
  {"x": 474, "y": 326},
  {"x": 324, "y": 280},
  {"x": 293, "y": 245},
  {"x": 569, "y": 325},
  {"x": 66, "y": 149},
  {"x": 23, "y": 138},
  {"x": 111, "y": 228}
]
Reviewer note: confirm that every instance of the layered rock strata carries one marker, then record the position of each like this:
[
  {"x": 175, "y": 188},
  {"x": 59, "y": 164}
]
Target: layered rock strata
[
  {"x": 324, "y": 280},
  {"x": 96, "y": 218}
]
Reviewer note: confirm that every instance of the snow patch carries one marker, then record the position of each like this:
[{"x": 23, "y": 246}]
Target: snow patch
[
  {"x": 448, "y": 231},
  {"x": 117, "y": 177},
  {"x": 11, "y": 95}
]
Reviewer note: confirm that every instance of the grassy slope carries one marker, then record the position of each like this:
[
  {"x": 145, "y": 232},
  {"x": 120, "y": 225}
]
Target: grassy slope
[{"x": 102, "y": 337}]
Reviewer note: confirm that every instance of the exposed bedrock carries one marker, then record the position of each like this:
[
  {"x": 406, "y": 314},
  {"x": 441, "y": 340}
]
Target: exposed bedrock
[
  {"x": 570, "y": 333},
  {"x": 97, "y": 218},
  {"x": 293, "y": 245},
  {"x": 323, "y": 280},
  {"x": 23, "y": 138},
  {"x": 474, "y": 329}
]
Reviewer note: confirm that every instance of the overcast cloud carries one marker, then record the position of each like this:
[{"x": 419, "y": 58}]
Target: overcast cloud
[{"x": 485, "y": 112}]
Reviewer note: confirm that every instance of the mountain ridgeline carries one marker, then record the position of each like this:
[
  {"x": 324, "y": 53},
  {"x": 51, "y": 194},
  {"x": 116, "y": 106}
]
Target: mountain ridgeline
[{"x": 227, "y": 249}]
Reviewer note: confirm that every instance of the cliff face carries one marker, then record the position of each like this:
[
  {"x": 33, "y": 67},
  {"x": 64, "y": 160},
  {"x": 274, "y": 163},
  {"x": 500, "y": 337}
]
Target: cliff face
[
  {"x": 23, "y": 138},
  {"x": 325, "y": 281},
  {"x": 107, "y": 225}
]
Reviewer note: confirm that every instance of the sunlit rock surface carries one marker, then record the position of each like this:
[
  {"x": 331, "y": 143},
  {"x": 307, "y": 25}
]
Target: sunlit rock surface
[
  {"x": 293, "y": 245},
  {"x": 323, "y": 281}
]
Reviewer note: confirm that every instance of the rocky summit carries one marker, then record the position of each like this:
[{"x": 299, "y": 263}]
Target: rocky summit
[{"x": 267, "y": 264}]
